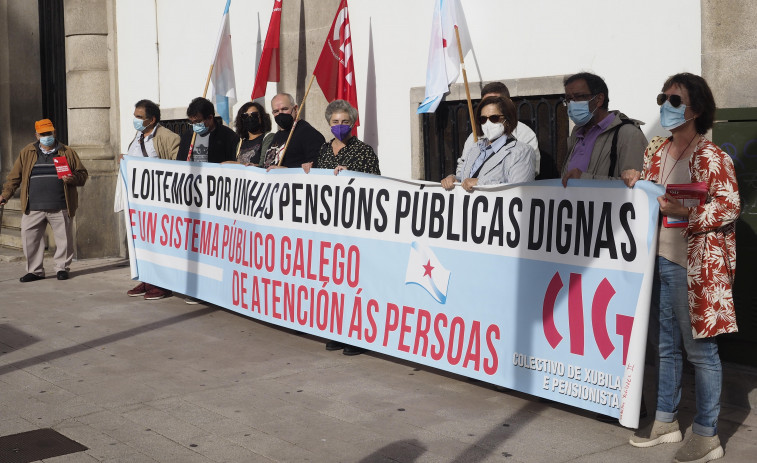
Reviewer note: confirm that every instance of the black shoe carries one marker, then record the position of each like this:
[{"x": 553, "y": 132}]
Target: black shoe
[
  {"x": 30, "y": 277},
  {"x": 335, "y": 345},
  {"x": 352, "y": 350},
  {"x": 63, "y": 275}
]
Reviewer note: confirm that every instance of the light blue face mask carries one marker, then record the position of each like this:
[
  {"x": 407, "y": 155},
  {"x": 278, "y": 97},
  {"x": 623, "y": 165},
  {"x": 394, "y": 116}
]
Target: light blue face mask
[
  {"x": 139, "y": 125},
  {"x": 578, "y": 112},
  {"x": 671, "y": 117},
  {"x": 48, "y": 140},
  {"x": 200, "y": 128}
]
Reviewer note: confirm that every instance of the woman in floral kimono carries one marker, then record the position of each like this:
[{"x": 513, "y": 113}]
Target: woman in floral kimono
[{"x": 692, "y": 300}]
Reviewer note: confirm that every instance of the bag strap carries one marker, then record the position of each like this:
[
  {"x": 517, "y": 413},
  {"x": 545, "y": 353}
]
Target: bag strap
[{"x": 614, "y": 147}]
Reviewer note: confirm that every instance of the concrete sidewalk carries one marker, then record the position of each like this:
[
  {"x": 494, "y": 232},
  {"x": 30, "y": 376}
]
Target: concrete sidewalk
[{"x": 146, "y": 381}]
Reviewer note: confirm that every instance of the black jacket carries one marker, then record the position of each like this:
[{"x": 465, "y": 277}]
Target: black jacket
[
  {"x": 222, "y": 144},
  {"x": 303, "y": 147}
]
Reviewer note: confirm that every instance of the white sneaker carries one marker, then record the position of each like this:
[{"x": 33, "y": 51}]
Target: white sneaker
[{"x": 656, "y": 433}]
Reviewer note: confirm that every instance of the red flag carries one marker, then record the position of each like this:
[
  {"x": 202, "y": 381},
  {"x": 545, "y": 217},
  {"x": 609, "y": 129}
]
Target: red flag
[
  {"x": 335, "y": 72},
  {"x": 268, "y": 71}
]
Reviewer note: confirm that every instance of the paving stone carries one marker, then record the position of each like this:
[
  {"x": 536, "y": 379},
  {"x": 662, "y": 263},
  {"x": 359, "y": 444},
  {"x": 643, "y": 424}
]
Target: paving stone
[{"x": 166, "y": 382}]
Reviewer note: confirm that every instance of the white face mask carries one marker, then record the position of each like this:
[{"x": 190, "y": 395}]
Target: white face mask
[{"x": 493, "y": 131}]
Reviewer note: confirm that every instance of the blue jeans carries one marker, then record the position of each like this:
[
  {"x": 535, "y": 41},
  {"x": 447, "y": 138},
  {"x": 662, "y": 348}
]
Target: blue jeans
[{"x": 669, "y": 325}]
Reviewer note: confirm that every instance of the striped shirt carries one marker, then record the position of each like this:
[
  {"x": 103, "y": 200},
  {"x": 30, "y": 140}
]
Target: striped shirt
[{"x": 45, "y": 188}]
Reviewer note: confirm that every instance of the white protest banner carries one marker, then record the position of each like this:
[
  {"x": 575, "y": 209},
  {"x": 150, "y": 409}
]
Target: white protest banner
[{"x": 533, "y": 287}]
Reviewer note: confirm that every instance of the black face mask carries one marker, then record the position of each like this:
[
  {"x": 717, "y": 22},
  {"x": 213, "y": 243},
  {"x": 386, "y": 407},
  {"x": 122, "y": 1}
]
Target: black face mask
[
  {"x": 284, "y": 120},
  {"x": 252, "y": 123}
]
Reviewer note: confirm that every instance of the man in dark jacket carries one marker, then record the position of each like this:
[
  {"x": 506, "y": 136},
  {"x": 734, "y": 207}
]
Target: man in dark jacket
[
  {"x": 46, "y": 198},
  {"x": 305, "y": 142},
  {"x": 214, "y": 142}
]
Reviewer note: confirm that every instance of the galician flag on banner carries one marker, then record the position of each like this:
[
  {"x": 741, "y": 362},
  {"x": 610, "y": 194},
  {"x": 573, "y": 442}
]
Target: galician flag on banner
[
  {"x": 335, "y": 72},
  {"x": 223, "y": 91},
  {"x": 425, "y": 270},
  {"x": 443, "y": 56},
  {"x": 268, "y": 68}
]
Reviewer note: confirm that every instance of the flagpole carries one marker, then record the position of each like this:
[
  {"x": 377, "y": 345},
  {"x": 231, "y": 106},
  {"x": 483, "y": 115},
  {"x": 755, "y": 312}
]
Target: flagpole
[
  {"x": 465, "y": 79},
  {"x": 204, "y": 93},
  {"x": 299, "y": 111}
]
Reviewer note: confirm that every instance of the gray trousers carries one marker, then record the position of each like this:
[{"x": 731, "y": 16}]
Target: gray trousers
[{"x": 33, "y": 227}]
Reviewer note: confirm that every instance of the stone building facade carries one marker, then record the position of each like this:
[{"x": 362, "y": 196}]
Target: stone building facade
[{"x": 729, "y": 59}]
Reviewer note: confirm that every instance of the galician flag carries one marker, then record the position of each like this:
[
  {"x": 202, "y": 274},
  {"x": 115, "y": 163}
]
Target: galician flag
[
  {"x": 223, "y": 91},
  {"x": 425, "y": 270},
  {"x": 268, "y": 68},
  {"x": 443, "y": 57}
]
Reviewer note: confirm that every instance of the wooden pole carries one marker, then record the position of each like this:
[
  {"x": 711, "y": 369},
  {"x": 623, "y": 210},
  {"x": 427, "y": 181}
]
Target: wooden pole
[
  {"x": 465, "y": 79},
  {"x": 299, "y": 111},
  {"x": 204, "y": 93}
]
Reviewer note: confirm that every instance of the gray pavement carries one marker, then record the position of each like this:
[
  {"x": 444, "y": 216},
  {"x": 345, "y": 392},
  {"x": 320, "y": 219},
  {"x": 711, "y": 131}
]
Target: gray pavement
[{"x": 146, "y": 381}]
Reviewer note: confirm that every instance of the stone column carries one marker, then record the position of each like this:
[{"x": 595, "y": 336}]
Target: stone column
[
  {"x": 304, "y": 26},
  {"x": 729, "y": 51},
  {"x": 20, "y": 90},
  {"x": 92, "y": 120}
]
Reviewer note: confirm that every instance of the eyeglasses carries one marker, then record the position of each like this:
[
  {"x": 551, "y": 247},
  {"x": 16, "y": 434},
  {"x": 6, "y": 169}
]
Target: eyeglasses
[
  {"x": 256, "y": 115},
  {"x": 496, "y": 119},
  {"x": 675, "y": 100},
  {"x": 578, "y": 97}
]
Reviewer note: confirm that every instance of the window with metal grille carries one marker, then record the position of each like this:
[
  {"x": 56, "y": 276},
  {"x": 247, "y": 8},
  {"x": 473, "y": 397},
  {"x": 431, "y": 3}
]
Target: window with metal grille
[{"x": 445, "y": 132}]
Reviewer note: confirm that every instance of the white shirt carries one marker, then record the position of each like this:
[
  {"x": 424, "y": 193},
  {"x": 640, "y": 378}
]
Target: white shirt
[
  {"x": 135, "y": 150},
  {"x": 522, "y": 133}
]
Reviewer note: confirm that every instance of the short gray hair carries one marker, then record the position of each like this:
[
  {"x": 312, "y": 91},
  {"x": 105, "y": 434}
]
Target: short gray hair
[
  {"x": 291, "y": 98},
  {"x": 341, "y": 106}
]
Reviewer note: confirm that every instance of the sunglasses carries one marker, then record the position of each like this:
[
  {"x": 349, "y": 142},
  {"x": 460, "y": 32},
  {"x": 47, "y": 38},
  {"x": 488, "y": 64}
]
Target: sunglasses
[
  {"x": 675, "y": 100},
  {"x": 496, "y": 119}
]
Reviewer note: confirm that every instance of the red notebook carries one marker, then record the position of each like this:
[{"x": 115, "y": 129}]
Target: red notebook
[
  {"x": 690, "y": 195},
  {"x": 61, "y": 166}
]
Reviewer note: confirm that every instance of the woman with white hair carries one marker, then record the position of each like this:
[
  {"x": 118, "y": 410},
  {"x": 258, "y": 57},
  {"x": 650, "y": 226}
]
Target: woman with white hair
[{"x": 344, "y": 151}]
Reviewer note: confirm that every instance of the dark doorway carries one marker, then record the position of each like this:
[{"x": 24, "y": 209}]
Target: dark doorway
[
  {"x": 445, "y": 132},
  {"x": 52, "y": 56}
]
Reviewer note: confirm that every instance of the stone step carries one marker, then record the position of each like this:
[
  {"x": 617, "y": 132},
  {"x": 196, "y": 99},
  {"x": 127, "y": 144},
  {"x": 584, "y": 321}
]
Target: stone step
[
  {"x": 10, "y": 237},
  {"x": 8, "y": 254},
  {"x": 13, "y": 204},
  {"x": 11, "y": 218}
]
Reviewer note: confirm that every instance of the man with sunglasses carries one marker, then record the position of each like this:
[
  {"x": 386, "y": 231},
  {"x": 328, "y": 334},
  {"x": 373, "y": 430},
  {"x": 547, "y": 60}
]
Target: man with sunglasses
[
  {"x": 603, "y": 143},
  {"x": 522, "y": 132}
]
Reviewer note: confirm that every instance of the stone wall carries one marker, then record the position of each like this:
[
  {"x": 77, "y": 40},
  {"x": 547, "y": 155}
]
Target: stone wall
[
  {"x": 302, "y": 38},
  {"x": 92, "y": 123},
  {"x": 20, "y": 80},
  {"x": 729, "y": 51}
]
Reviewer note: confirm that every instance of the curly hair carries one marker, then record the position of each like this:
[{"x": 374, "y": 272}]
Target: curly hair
[{"x": 265, "y": 118}]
